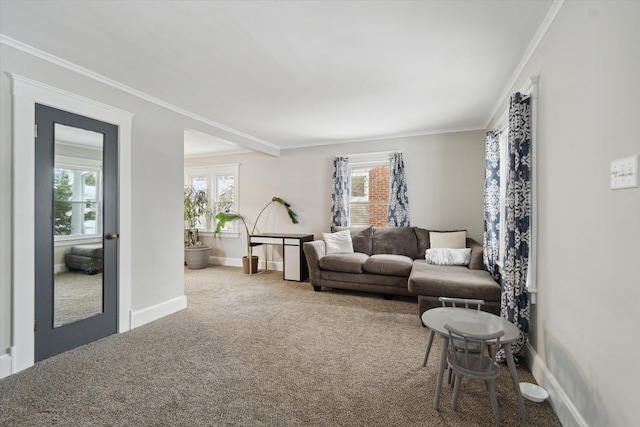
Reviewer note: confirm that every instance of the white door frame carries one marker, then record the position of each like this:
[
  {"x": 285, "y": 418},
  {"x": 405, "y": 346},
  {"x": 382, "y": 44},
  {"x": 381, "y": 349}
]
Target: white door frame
[{"x": 26, "y": 93}]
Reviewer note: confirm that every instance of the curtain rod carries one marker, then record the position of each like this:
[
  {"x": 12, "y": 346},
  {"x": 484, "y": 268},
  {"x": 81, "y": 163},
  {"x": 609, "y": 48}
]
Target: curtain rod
[{"x": 372, "y": 153}]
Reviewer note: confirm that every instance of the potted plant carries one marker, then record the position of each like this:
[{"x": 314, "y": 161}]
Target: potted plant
[
  {"x": 229, "y": 216},
  {"x": 196, "y": 210}
]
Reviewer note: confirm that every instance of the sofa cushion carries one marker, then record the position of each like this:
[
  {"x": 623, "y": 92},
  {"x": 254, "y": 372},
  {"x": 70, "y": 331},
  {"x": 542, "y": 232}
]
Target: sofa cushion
[
  {"x": 364, "y": 281},
  {"x": 424, "y": 243},
  {"x": 476, "y": 262},
  {"x": 452, "y": 281},
  {"x": 346, "y": 263},
  {"x": 422, "y": 236},
  {"x": 396, "y": 241},
  {"x": 360, "y": 237},
  {"x": 338, "y": 242},
  {"x": 448, "y": 239},
  {"x": 389, "y": 265}
]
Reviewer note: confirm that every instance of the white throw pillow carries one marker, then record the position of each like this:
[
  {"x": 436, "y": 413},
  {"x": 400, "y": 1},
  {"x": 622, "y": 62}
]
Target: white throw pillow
[
  {"x": 448, "y": 239},
  {"x": 447, "y": 256},
  {"x": 338, "y": 242}
]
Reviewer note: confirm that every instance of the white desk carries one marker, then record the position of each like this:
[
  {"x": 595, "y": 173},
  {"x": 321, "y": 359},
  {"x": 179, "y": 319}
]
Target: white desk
[
  {"x": 295, "y": 263},
  {"x": 477, "y": 322}
]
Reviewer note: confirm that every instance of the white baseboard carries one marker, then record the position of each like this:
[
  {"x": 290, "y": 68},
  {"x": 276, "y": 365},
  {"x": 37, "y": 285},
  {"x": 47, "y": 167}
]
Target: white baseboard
[
  {"x": 565, "y": 409},
  {"x": 5, "y": 365},
  {"x": 237, "y": 262},
  {"x": 60, "y": 268},
  {"x": 149, "y": 314}
]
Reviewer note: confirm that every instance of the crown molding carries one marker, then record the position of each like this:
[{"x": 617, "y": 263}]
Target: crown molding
[
  {"x": 533, "y": 46},
  {"x": 23, "y": 47},
  {"x": 386, "y": 137}
]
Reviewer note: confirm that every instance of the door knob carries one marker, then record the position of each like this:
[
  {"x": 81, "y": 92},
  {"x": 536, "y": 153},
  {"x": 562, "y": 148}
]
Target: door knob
[{"x": 111, "y": 236}]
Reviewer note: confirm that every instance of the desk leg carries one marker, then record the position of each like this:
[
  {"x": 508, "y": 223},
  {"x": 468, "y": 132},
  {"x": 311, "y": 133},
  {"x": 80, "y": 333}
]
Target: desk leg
[
  {"x": 514, "y": 377},
  {"x": 443, "y": 364}
]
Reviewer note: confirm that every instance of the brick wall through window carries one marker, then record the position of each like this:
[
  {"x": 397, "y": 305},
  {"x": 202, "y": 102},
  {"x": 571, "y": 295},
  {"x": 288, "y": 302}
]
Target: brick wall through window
[{"x": 370, "y": 196}]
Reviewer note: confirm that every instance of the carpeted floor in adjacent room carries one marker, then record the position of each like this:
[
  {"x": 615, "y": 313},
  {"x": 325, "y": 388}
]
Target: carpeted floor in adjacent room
[{"x": 259, "y": 351}]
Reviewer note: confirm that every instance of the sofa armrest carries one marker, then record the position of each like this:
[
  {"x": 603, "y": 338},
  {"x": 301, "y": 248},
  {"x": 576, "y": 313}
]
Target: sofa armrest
[
  {"x": 476, "y": 262},
  {"x": 314, "y": 251}
]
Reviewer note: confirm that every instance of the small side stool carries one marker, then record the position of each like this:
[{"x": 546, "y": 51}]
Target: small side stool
[{"x": 87, "y": 258}]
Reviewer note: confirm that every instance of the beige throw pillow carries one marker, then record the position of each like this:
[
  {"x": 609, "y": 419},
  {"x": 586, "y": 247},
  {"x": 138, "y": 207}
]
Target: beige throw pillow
[
  {"x": 449, "y": 239},
  {"x": 338, "y": 242}
]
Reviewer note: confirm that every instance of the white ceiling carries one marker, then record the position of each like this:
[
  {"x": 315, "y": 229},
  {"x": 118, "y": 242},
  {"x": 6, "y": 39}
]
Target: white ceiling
[{"x": 295, "y": 73}]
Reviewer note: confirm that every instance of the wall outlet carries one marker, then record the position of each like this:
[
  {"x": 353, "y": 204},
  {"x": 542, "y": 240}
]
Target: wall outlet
[{"x": 624, "y": 173}]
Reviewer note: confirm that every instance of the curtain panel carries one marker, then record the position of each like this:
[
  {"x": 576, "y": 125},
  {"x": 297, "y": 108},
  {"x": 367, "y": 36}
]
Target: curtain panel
[
  {"x": 514, "y": 302},
  {"x": 491, "y": 237},
  {"x": 398, "y": 213},
  {"x": 340, "y": 193}
]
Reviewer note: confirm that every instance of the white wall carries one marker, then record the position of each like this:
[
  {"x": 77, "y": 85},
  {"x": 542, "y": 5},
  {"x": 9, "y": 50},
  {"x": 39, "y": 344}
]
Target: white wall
[
  {"x": 584, "y": 327},
  {"x": 445, "y": 176},
  {"x": 156, "y": 188}
]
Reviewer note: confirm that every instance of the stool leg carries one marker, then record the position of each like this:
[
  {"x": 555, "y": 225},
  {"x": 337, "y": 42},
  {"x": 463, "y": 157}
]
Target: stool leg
[
  {"x": 494, "y": 401},
  {"x": 426, "y": 355},
  {"x": 456, "y": 392}
]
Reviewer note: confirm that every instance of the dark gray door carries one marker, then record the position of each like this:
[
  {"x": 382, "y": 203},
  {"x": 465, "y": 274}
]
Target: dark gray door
[{"x": 76, "y": 229}]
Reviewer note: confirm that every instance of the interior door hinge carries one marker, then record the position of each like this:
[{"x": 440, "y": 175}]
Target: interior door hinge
[
  {"x": 35, "y": 131},
  {"x": 35, "y": 325}
]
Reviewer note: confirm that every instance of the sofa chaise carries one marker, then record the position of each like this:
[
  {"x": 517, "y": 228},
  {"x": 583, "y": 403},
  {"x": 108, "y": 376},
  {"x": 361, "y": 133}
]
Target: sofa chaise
[{"x": 391, "y": 261}]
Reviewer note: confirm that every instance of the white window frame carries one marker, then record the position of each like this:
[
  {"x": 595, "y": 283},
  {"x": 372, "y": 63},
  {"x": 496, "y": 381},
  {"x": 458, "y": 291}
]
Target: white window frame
[
  {"x": 89, "y": 165},
  {"x": 352, "y": 173},
  {"x": 367, "y": 160},
  {"x": 210, "y": 173}
]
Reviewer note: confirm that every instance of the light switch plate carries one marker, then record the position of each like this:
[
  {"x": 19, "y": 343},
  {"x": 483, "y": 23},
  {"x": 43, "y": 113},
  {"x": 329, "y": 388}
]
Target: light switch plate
[{"x": 624, "y": 173}]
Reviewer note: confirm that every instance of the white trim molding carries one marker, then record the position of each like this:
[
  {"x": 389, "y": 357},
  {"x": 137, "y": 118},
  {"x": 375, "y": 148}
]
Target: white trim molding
[
  {"x": 237, "y": 262},
  {"x": 155, "y": 312},
  {"x": 26, "y": 93},
  {"x": 229, "y": 133},
  {"x": 563, "y": 406},
  {"x": 531, "y": 88},
  {"x": 5, "y": 364}
]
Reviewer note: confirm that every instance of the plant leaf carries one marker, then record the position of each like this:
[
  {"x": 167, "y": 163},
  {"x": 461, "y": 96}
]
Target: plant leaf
[
  {"x": 224, "y": 217},
  {"x": 292, "y": 215}
]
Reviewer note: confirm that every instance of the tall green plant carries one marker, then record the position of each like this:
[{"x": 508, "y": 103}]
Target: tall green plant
[
  {"x": 229, "y": 216},
  {"x": 196, "y": 210}
]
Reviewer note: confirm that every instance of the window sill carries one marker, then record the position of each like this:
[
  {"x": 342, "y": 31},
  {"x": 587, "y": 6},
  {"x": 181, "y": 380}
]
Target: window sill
[
  {"x": 223, "y": 234},
  {"x": 75, "y": 240}
]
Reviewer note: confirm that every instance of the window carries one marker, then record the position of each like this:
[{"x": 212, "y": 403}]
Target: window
[
  {"x": 369, "y": 191},
  {"x": 77, "y": 198},
  {"x": 221, "y": 183},
  {"x": 531, "y": 282}
]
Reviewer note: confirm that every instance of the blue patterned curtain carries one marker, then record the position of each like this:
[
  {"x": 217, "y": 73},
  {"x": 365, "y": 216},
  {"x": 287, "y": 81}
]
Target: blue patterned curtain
[
  {"x": 398, "y": 215},
  {"x": 340, "y": 193},
  {"x": 514, "y": 303},
  {"x": 491, "y": 240}
]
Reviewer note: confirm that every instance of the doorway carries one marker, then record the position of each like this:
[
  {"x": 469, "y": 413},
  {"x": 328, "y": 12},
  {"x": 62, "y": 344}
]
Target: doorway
[{"x": 76, "y": 230}]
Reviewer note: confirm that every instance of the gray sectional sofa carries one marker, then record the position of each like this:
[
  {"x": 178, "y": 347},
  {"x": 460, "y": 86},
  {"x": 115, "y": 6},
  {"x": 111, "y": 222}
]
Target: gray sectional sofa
[{"x": 391, "y": 261}]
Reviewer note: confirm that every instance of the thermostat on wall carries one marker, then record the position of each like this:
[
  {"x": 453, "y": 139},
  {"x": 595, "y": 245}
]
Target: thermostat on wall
[{"x": 624, "y": 173}]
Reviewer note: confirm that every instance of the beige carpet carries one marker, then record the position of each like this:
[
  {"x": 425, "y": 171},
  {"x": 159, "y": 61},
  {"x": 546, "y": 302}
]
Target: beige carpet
[
  {"x": 258, "y": 351},
  {"x": 77, "y": 296}
]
